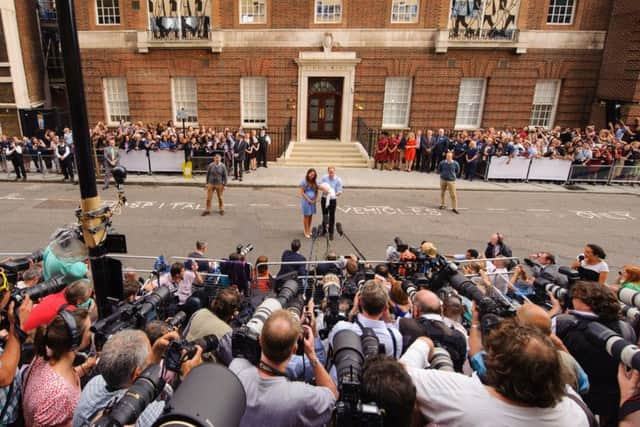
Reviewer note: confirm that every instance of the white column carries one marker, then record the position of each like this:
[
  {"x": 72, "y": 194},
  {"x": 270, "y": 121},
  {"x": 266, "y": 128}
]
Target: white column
[{"x": 14, "y": 53}]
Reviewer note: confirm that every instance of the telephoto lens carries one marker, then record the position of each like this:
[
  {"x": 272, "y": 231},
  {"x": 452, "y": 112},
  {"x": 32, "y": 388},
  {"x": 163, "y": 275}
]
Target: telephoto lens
[
  {"x": 142, "y": 392},
  {"x": 41, "y": 290},
  {"x": 617, "y": 347},
  {"x": 409, "y": 288},
  {"x": 177, "y": 320},
  {"x": 632, "y": 314},
  {"x": 370, "y": 343},
  {"x": 348, "y": 359},
  {"x": 296, "y": 306},
  {"x": 287, "y": 292},
  {"x": 558, "y": 292},
  {"x": 441, "y": 360},
  {"x": 192, "y": 404},
  {"x": 629, "y": 297}
]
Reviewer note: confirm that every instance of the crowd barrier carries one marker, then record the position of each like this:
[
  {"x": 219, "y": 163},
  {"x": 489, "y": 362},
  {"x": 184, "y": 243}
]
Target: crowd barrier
[{"x": 523, "y": 169}]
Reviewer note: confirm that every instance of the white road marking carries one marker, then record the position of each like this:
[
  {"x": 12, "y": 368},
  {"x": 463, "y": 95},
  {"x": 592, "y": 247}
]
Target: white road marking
[
  {"x": 12, "y": 196},
  {"x": 497, "y": 209},
  {"x": 538, "y": 210},
  {"x": 259, "y": 205}
]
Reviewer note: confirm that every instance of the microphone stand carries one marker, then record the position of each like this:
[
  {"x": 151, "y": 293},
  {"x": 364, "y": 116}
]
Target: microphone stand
[{"x": 343, "y": 234}]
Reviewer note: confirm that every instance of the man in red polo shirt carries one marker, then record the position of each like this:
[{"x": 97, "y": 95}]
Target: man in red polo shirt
[{"x": 74, "y": 295}]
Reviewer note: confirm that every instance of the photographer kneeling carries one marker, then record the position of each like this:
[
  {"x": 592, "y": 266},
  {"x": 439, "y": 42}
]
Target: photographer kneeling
[
  {"x": 273, "y": 400},
  {"x": 10, "y": 350},
  {"x": 123, "y": 358},
  {"x": 524, "y": 384}
]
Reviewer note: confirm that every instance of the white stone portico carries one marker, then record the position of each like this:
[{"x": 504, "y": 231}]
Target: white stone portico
[{"x": 326, "y": 64}]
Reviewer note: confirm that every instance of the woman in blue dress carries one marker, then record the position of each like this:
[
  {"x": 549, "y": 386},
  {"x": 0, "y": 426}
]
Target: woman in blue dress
[{"x": 309, "y": 193}]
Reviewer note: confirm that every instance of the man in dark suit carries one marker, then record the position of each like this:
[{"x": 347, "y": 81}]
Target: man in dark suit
[
  {"x": 441, "y": 147},
  {"x": 239, "y": 156},
  {"x": 427, "y": 145},
  {"x": 419, "y": 150},
  {"x": 293, "y": 255}
]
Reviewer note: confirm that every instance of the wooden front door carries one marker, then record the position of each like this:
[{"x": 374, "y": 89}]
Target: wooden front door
[{"x": 324, "y": 107}]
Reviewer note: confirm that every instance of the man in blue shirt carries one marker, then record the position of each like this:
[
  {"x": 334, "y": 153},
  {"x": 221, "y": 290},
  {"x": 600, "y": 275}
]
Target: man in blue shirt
[
  {"x": 448, "y": 170},
  {"x": 329, "y": 211}
]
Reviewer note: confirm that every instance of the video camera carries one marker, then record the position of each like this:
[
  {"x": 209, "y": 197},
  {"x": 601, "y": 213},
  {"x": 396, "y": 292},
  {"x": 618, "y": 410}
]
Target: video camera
[
  {"x": 243, "y": 250},
  {"x": 191, "y": 404},
  {"x": 558, "y": 281},
  {"x": 411, "y": 261},
  {"x": 244, "y": 341},
  {"x": 350, "y": 352},
  {"x": 131, "y": 315},
  {"x": 15, "y": 265}
]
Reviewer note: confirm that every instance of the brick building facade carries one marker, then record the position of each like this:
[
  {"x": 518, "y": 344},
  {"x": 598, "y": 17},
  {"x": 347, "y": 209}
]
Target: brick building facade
[{"x": 327, "y": 63}]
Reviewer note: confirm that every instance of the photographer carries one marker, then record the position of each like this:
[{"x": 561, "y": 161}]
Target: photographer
[
  {"x": 30, "y": 277},
  {"x": 524, "y": 383},
  {"x": 429, "y": 321},
  {"x": 123, "y": 358},
  {"x": 10, "y": 351},
  {"x": 534, "y": 316},
  {"x": 292, "y": 256},
  {"x": 386, "y": 382},
  {"x": 77, "y": 294},
  {"x": 594, "y": 302},
  {"x": 271, "y": 398},
  {"x": 51, "y": 385},
  {"x": 300, "y": 368},
  {"x": 214, "y": 320},
  {"x": 370, "y": 308},
  {"x": 180, "y": 283}
]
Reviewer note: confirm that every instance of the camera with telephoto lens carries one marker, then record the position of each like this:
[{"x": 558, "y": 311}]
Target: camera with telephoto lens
[
  {"x": 412, "y": 259},
  {"x": 179, "y": 351},
  {"x": 131, "y": 315},
  {"x": 39, "y": 291},
  {"x": 243, "y": 250},
  {"x": 191, "y": 404},
  {"x": 244, "y": 340},
  {"x": 619, "y": 348},
  {"x": 632, "y": 314},
  {"x": 144, "y": 390},
  {"x": 629, "y": 297},
  {"x": 14, "y": 266},
  {"x": 332, "y": 316},
  {"x": 177, "y": 320},
  {"x": 409, "y": 288},
  {"x": 349, "y": 353},
  {"x": 296, "y": 307}
]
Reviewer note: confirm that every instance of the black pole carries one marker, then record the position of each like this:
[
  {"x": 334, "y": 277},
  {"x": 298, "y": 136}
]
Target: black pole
[
  {"x": 75, "y": 93},
  {"x": 92, "y": 228}
]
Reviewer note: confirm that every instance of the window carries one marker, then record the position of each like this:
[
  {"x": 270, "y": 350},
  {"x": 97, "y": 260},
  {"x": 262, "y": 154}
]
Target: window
[
  {"x": 404, "y": 11},
  {"x": 397, "y": 96},
  {"x": 328, "y": 11},
  {"x": 561, "y": 12},
  {"x": 108, "y": 12},
  {"x": 470, "y": 100},
  {"x": 253, "y": 11},
  {"x": 185, "y": 96},
  {"x": 253, "y": 92},
  {"x": 545, "y": 100},
  {"x": 116, "y": 99}
]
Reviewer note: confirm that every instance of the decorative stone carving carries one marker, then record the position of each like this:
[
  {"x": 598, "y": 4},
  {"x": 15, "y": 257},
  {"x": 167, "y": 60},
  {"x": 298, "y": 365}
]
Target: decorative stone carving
[{"x": 327, "y": 42}]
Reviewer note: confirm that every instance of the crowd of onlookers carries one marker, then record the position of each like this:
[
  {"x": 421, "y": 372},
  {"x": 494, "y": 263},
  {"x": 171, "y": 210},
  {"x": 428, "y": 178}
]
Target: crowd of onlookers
[{"x": 596, "y": 151}]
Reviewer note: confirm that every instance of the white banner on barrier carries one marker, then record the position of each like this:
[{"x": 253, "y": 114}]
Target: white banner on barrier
[
  {"x": 549, "y": 169},
  {"x": 161, "y": 161},
  {"x": 506, "y": 168}
]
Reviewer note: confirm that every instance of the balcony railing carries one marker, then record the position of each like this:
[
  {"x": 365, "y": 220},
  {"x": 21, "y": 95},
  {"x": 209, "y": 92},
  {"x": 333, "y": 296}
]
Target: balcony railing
[
  {"x": 510, "y": 35},
  {"x": 175, "y": 28}
]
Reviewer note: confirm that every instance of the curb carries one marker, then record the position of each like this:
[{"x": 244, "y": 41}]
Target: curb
[{"x": 560, "y": 189}]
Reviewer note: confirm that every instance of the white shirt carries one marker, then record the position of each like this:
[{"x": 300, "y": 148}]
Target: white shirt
[
  {"x": 598, "y": 268},
  {"x": 455, "y": 400},
  {"x": 380, "y": 328}
]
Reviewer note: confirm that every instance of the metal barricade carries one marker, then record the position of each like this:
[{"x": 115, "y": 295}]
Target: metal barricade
[
  {"x": 625, "y": 174},
  {"x": 590, "y": 173}
]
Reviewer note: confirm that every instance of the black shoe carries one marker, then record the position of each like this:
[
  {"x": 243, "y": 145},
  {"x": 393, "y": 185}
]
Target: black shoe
[
  {"x": 443, "y": 207},
  {"x": 455, "y": 211},
  {"x": 240, "y": 179}
]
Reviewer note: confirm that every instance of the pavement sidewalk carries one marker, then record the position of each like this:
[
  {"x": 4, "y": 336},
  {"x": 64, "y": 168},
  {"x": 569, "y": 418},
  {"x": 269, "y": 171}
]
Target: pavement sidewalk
[{"x": 280, "y": 176}]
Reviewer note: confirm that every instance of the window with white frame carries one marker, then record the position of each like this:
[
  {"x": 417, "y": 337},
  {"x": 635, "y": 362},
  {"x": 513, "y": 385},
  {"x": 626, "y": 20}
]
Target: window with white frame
[
  {"x": 397, "y": 98},
  {"x": 108, "y": 12},
  {"x": 253, "y": 11},
  {"x": 470, "y": 103},
  {"x": 545, "y": 101},
  {"x": 254, "y": 101},
  {"x": 561, "y": 12},
  {"x": 404, "y": 11},
  {"x": 185, "y": 99},
  {"x": 116, "y": 99},
  {"x": 328, "y": 11}
]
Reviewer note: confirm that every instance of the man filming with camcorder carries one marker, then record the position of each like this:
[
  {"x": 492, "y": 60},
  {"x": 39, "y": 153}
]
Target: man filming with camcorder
[{"x": 273, "y": 400}]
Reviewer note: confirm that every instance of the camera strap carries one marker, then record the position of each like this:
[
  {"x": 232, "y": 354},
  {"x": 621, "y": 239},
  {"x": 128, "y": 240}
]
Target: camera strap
[
  {"x": 270, "y": 370},
  {"x": 372, "y": 332}
]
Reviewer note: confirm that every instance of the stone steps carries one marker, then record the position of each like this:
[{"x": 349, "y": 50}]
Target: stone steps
[{"x": 320, "y": 154}]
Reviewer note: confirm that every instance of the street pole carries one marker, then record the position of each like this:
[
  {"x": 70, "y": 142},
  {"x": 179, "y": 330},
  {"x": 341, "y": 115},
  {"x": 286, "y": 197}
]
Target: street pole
[{"x": 92, "y": 230}]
